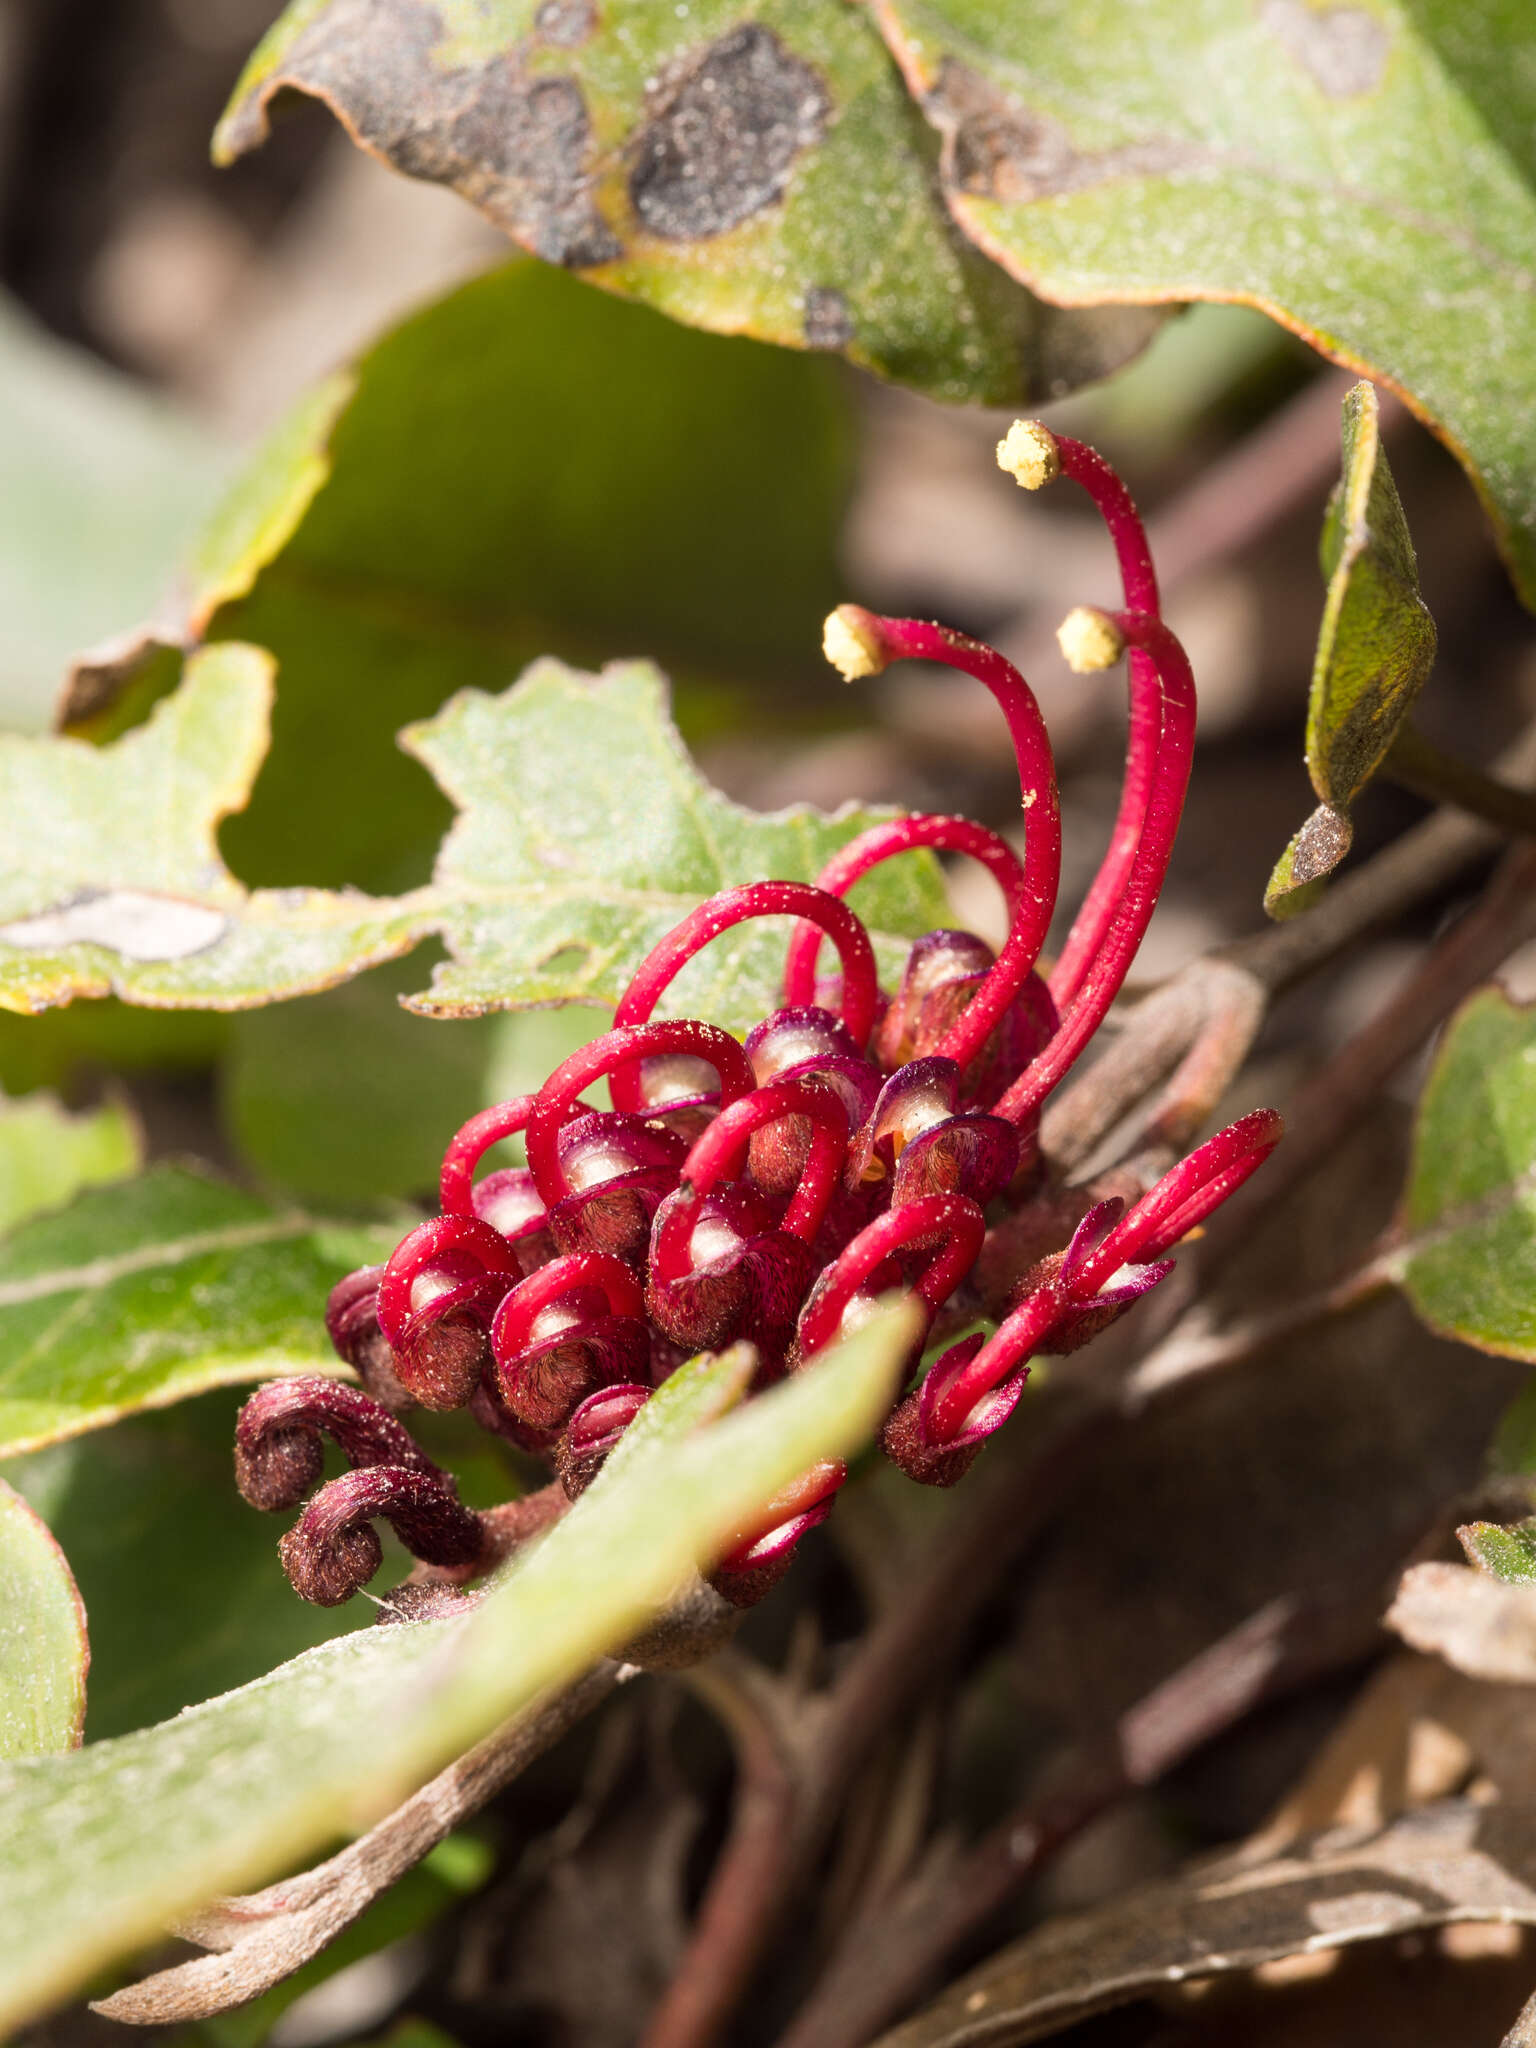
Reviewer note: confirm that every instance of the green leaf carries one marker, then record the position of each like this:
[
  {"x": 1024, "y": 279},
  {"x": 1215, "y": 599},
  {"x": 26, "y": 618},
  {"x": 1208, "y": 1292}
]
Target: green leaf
[
  {"x": 755, "y": 170},
  {"x": 47, "y": 1155},
  {"x": 1366, "y": 175},
  {"x": 1375, "y": 649},
  {"x": 141, "y": 1294},
  {"x": 1377, "y": 641},
  {"x": 586, "y": 833},
  {"x": 110, "y": 874},
  {"x": 44, "y": 1653},
  {"x": 1468, "y": 1255},
  {"x": 1508, "y": 1554},
  {"x": 524, "y": 467},
  {"x": 179, "y": 1576},
  {"x": 100, "y": 1849}
]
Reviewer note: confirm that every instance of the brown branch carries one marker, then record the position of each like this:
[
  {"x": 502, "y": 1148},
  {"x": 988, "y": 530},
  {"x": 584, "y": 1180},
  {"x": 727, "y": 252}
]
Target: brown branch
[
  {"x": 266, "y": 1935},
  {"x": 1523, "y": 2033},
  {"x": 1199, "y": 1026},
  {"x": 1335, "y": 1099},
  {"x": 732, "y": 1927},
  {"x": 1208, "y": 1019},
  {"x": 1416, "y": 763},
  {"x": 889, "y": 1956},
  {"x": 1189, "y": 1352}
]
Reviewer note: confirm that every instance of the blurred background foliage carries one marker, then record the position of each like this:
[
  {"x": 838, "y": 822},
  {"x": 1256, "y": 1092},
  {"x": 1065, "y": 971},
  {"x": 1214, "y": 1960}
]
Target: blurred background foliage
[{"x": 516, "y": 464}]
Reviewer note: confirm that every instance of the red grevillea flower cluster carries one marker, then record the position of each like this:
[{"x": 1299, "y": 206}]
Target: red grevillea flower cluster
[{"x": 772, "y": 1192}]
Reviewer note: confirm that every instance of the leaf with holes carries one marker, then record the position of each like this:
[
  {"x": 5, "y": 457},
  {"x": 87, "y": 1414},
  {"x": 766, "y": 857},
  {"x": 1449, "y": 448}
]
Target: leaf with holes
[
  {"x": 1468, "y": 1257},
  {"x": 100, "y": 1849},
  {"x": 586, "y": 833},
  {"x": 1365, "y": 174},
  {"x": 111, "y": 880},
  {"x": 755, "y": 171},
  {"x": 141, "y": 1294},
  {"x": 44, "y": 1654}
]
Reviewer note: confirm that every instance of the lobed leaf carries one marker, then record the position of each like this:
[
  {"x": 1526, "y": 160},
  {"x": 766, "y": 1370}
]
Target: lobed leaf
[
  {"x": 754, "y": 170},
  {"x": 522, "y": 467},
  {"x": 111, "y": 881},
  {"x": 44, "y": 1652},
  {"x": 1366, "y": 175},
  {"x": 100, "y": 1849},
  {"x": 142, "y": 1294},
  {"x": 585, "y": 833},
  {"x": 1467, "y": 1260}
]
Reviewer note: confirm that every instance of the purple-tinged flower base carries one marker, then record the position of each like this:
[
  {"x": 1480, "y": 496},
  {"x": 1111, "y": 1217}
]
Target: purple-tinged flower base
[{"x": 860, "y": 1143}]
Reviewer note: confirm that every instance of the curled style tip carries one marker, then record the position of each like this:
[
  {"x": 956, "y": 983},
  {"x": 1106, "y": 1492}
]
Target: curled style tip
[
  {"x": 279, "y": 1438},
  {"x": 1031, "y": 915},
  {"x": 333, "y": 1548}
]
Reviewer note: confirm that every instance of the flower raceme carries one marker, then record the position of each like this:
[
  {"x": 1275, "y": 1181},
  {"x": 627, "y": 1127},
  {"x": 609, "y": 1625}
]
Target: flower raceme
[{"x": 772, "y": 1192}]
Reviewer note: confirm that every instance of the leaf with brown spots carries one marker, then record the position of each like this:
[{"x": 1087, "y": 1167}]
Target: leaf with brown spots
[
  {"x": 1365, "y": 173},
  {"x": 755, "y": 172}
]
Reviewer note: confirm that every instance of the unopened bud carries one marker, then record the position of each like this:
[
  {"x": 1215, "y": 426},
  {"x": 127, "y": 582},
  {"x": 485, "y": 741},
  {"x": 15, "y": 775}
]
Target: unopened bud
[
  {"x": 1029, "y": 453},
  {"x": 851, "y": 642},
  {"x": 1090, "y": 640}
]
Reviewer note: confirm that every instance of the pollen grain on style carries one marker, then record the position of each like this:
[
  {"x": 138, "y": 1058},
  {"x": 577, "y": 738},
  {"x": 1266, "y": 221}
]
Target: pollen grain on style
[{"x": 860, "y": 1141}]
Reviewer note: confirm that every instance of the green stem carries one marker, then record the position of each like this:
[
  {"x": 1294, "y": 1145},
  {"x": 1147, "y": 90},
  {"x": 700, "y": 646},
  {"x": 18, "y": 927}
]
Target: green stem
[{"x": 1417, "y": 763}]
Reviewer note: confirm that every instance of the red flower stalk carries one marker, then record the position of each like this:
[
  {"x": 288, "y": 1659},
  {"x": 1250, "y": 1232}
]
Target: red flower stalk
[
  {"x": 1125, "y": 928},
  {"x": 604, "y": 1060},
  {"x": 947, "y": 1228},
  {"x": 593, "y": 1431},
  {"x": 574, "y": 1326},
  {"x": 437, "y": 1294},
  {"x": 941, "y": 833},
  {"x": 759, "y": 1557},
  {"x": 773, "y": 1193},
  {"x": 860, "y": 989},
  {"x": 1109, "y": 1265},
  {"x": 860, "y": 643}
]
